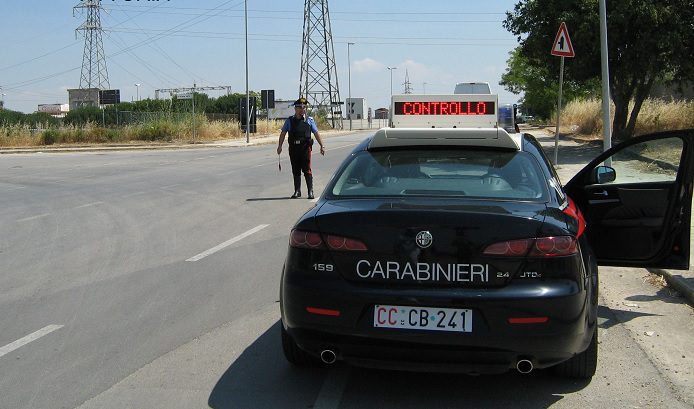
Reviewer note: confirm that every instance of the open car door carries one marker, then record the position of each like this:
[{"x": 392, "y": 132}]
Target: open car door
[{"x": 636, "y": 198}]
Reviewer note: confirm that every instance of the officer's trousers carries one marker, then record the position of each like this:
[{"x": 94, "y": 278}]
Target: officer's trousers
[{"x": 300, "y": 157}]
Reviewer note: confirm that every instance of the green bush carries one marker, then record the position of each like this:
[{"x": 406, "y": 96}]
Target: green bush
[
  {"x": 50, "y": 136},
  {"x": 155, "y": 131}
]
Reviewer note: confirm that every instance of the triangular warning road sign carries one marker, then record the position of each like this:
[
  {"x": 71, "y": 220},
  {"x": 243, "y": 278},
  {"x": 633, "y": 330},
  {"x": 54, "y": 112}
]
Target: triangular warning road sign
[{"x": 562, "y": 43}]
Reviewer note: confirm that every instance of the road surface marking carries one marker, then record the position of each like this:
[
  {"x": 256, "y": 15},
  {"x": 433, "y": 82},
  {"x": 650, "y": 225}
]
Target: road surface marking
[
  {"x": 26, "y": 219},
  {"x": 29, "y": 338},
  {"x": 227, "y": 243},
  {"x": 315, "y": 200},
  {"x": 134, "y": 194},
  {"x": 170, "y": 186},
  {"x": 89, "y": 204},
  {"x": 333, "y": 386}
]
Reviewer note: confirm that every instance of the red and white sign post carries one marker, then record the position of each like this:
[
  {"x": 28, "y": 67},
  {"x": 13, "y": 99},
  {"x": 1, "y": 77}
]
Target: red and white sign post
[{"x": 562, "y": 48}]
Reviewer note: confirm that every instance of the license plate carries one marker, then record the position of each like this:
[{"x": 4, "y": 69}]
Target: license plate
[{"x": 424, "y": 318}]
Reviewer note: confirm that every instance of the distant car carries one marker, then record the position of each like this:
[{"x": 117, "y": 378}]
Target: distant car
[
  {"x": 459, "y": 250},
  {"x": 507, "y": 119},
  {"x": 472, "y": 88}
]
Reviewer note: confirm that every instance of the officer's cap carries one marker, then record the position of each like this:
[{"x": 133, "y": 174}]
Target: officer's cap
[{"x": 301, "y": 102}]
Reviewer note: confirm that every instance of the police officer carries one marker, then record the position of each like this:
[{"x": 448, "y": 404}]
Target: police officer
[{"x": 300, "y": 126}]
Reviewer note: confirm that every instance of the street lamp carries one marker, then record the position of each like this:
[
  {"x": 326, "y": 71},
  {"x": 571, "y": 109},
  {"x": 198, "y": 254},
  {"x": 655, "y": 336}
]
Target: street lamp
[
  {"x": 138, "y": 90},
  {"x": 391, "y": 80},
  {"x": 349, "y": 86},
  {"x": 2, "y": 100}
]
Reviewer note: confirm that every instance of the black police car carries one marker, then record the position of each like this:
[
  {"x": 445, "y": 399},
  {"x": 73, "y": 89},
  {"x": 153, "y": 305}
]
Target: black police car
[{"x": 459, "y": 250}]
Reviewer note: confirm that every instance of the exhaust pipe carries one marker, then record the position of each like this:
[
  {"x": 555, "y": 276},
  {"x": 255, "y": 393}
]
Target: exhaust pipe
[
  {"x": 328, "y": 356},
  {"x": 524, "y": 366}
]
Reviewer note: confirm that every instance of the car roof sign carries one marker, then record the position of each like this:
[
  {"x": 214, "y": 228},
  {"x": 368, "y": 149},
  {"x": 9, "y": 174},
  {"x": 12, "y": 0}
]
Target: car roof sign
[
  {"x": 444, "y": 111},
  {"x": 463, "y": 137}
]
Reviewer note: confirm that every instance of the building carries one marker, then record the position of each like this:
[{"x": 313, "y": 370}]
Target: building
[{"x": 56, "y": 110}]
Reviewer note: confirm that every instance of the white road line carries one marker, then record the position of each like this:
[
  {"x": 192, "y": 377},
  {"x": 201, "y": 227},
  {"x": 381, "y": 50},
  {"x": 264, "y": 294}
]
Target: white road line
[
  {"x": 26, "y": 219},
  {"x": 134, "y": 194},
  {"x": 227, "y": 243},
  {"x": 229, "y": 172},
  {"x": 333, "y": 386},
  {"x": 29, "y": 338},
  {"x": 170, "y": 186},
  {"x": 88, "y": 204},
  {"x": 345, "y": 146}
]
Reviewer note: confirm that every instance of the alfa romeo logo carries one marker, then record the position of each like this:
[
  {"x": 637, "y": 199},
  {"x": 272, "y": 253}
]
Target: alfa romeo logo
[{"x": 424, "y": 239}]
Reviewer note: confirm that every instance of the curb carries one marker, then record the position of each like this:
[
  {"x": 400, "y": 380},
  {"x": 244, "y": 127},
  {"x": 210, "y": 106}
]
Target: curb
[
  {"x": 677, "y": 282},
  {"x": 236, "y": 143}
]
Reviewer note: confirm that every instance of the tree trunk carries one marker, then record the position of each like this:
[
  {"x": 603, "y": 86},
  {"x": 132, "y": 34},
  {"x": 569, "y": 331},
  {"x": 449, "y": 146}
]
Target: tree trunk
[
  {"x": 640, "y": 95},
  {"x": 621, "y": 110},
  {"x": 622, "y": 90}
]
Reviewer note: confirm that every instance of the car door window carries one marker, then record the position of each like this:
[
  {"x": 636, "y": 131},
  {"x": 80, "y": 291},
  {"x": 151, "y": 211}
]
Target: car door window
[{"x": 650, "y": 161}]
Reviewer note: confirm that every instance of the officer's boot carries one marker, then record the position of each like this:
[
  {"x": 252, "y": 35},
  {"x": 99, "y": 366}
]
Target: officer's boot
[
  {"x": 309, "y": 186},
  {"x": 297, "y": 186}
]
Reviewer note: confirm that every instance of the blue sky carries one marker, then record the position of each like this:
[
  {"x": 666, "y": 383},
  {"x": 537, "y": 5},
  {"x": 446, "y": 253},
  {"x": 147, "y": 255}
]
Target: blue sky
[{"x": 167, "y": 44}]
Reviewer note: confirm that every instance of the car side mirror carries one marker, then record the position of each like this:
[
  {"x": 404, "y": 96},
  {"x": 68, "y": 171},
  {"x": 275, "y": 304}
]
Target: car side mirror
[{"x": 603, "y": 174}]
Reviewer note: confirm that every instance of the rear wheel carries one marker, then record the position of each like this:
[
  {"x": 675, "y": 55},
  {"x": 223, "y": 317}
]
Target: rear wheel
[
  {"x": 583, "y": 365},
  {"x": 294, "y": 354}
]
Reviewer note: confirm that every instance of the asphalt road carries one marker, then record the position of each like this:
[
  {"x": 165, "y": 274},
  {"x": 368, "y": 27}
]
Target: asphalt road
[{"x": 150, "y": 279}]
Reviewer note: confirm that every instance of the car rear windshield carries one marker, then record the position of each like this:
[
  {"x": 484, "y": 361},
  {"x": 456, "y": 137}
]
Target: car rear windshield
[{"x": 488, "y": 174}]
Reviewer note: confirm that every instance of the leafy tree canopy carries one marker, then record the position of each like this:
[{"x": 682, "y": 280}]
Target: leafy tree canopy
[
  {"x": 541, "y": 86},
  {"x": 648, "y": 41}
]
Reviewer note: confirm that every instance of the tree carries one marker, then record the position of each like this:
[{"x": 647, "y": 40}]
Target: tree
[
  {"x": 540, "y": 86},
  {"x": 648, "y": 42}
]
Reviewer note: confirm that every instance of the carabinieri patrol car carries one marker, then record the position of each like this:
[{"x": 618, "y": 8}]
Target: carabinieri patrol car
[{"x": 456, "y": 248}]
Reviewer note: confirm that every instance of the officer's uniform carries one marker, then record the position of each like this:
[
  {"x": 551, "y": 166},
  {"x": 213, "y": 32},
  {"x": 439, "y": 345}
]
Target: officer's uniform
[{"x": 300, "y": 148}]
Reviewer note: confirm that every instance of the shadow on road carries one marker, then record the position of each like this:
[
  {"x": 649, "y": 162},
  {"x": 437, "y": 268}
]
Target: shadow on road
[
  {"x": 664, "y": 294},
  {"x": 610, "y": 317},
  {"x": 400, "y": 390},
  {"x": 261, "y": 378},
  {"x": 261, "y": 199}
]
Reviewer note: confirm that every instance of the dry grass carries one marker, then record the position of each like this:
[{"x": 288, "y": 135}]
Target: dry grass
[
  {"x": 585, "y": 117},
  {"x": 655, "y": 280},
  {"x": 155, "y": 130},
  {"x": 19, "y": 135}
]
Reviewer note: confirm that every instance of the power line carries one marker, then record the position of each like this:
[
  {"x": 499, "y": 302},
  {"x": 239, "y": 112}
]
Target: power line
[
  {"x": 161, "y": 51},
  {"x": 39, "y": 57},
  {"x": 340, "y": 19},
  {"x": 390, "y": 13}
]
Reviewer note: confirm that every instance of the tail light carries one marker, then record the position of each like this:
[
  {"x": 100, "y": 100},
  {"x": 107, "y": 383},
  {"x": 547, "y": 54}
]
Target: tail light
[
  {"x": 305, "y": 240},
  {"x": 575, "y": 213},
  {"x": 345, "y": 244},
  {"x": 538, "y": 247},
  {"x": 313, "y": 240}
]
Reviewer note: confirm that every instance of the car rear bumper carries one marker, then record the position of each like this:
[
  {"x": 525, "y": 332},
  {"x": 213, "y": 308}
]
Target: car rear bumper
[{"x": 493, "y": 346}]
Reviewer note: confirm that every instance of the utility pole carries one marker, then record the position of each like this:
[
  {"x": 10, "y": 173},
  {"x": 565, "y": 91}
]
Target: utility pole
[
  {"x": 407, "y": 83},
  {"x": 94, "y": 73},
  {"x": 606, "y": 125},
  {"x": 391, "y": 80},
  {"x": 349, "y": 86},
  {"x": 318, "y": 78},
  {"x": 248, "y": 96}
]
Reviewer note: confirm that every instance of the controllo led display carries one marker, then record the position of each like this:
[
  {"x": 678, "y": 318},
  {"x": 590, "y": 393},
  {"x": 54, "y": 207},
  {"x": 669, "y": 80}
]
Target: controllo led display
[{"x": 445, "y": 108}]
